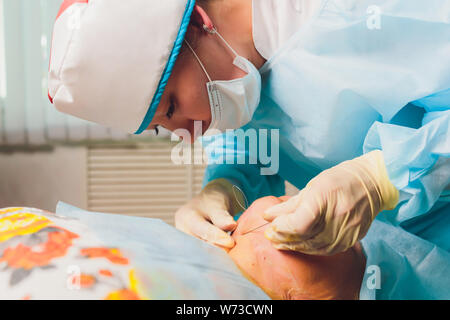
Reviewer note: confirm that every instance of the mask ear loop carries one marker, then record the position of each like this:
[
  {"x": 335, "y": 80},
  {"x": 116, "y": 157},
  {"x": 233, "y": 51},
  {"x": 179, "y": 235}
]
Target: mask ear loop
[
  {"x": 199, "y": 61},
  {"x": 207, "y": 75},
  {"x": 213, "y": 30}
]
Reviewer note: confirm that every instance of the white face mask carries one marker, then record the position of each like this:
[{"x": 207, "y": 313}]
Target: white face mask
[{"x": 232, "y": 102}]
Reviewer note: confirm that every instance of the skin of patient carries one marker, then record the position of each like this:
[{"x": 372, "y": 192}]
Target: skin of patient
[{"x": 293, "y": 275}]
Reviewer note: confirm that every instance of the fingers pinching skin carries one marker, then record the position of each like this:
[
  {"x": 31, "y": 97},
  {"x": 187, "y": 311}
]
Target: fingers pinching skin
[
  {"x": 205, "y": 230},
  {"x": 192, "y": 222},
  {"x": 207, "y": 216},
  {"x": 222, "y": 219}
]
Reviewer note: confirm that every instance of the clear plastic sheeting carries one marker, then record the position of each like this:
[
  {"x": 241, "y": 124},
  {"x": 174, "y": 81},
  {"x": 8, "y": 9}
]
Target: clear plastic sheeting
[{"x": 168, "y": 263}]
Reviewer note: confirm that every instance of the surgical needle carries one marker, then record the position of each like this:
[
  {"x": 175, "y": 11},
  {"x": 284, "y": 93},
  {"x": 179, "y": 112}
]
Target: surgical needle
[
  {"x": 245, "y": 206},
  {"x": 265, "y": 224}
]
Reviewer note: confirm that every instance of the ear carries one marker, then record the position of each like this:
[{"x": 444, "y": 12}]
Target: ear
[{"x": 200, "y": 18}]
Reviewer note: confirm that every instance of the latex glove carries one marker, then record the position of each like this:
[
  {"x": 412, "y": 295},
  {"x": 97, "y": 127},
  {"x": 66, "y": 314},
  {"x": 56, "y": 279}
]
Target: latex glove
[
  {"x": 208, "y": 216},
  {"x": 335, "y": 209}
]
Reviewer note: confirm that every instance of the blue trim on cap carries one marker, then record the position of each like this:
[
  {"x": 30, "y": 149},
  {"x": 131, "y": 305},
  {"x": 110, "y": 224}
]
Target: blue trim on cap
[{"x": 169, "y": 67}]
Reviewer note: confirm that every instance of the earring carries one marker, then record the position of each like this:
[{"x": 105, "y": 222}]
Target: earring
[{"x": 210, "y": 30}]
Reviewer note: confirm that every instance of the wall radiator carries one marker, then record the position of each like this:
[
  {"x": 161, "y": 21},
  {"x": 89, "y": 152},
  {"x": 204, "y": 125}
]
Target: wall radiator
[{"x": 140, "y": 180}]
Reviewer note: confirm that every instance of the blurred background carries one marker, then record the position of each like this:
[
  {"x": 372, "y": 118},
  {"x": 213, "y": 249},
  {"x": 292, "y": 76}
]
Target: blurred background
[{"x": 46, "y": 156}]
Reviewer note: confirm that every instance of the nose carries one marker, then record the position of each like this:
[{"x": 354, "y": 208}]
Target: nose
[{"x": 185, "y": 130}]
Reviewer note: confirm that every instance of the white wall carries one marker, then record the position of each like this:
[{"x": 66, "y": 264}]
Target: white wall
[{"x": 40, "y": 179}]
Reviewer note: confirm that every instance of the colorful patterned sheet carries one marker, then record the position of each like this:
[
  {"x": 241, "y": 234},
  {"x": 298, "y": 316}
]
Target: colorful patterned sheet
[{"x": 75, "y": 254}]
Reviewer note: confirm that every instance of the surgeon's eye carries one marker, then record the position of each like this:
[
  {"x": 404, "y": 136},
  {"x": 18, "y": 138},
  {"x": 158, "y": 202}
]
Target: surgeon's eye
[
  {"x": 156, "y": 130},
  {"x": 171, "y": 110}
]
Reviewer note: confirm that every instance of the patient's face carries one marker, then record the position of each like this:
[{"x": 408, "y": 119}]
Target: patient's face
[{"x": 292, "y": 275}]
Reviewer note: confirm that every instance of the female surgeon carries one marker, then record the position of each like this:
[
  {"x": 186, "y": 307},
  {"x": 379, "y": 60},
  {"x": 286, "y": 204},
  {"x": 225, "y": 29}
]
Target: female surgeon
[{"x": 358, "y": 91}]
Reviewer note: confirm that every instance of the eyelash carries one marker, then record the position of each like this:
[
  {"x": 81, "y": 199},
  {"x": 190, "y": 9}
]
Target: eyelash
[
  {"x": 169, "y": 115},
  {"x": 171, "y": 110}
]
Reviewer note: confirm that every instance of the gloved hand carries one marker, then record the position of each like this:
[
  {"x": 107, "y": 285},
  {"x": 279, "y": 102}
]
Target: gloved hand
[
  {"x": 335, "y": 209},
  {"x": 208, "y": 216}
]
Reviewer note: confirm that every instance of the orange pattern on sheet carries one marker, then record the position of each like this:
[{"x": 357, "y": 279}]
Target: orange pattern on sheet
[
  {"x": 112, "y": 254},
  {"x": 50, "y": 242},
  {"x": 105, "y": 273},
  {"x": 22, "y": 256},
  {"x": 87, "y": 280}
]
